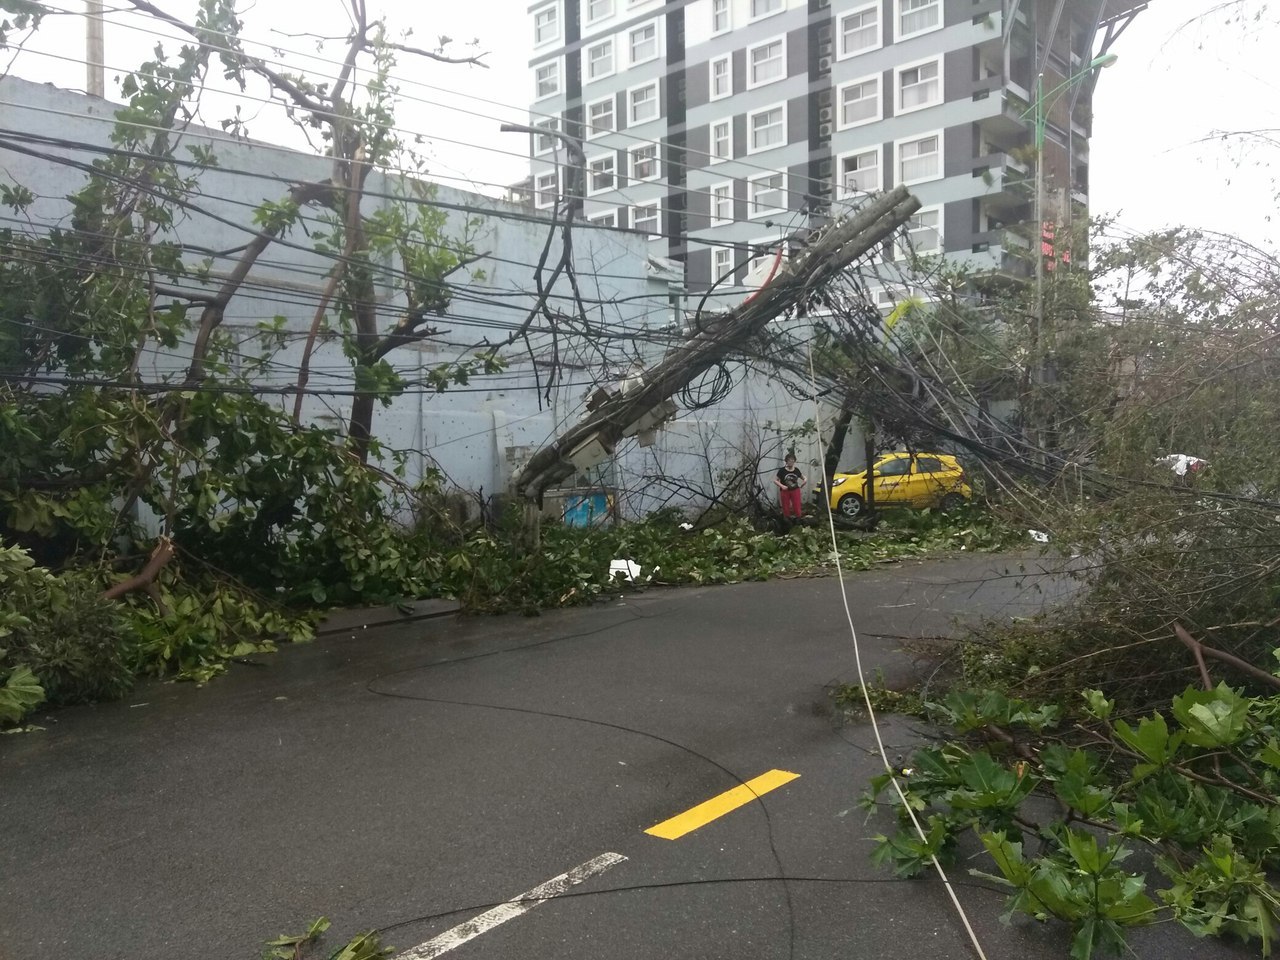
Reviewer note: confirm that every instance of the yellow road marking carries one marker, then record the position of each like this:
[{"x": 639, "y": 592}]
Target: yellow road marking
[{"x": 730, "y": 800}]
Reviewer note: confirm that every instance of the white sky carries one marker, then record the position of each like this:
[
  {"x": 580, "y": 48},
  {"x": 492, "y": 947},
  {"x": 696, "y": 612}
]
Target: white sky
[{"x": 1170, "y": 88}]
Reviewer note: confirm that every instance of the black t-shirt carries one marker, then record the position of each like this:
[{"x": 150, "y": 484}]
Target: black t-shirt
[{"x": 790, "y": 477}]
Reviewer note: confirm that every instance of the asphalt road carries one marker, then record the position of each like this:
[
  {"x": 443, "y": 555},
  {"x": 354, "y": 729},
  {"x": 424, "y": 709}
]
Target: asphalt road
[{"x": 413, "y": 777}]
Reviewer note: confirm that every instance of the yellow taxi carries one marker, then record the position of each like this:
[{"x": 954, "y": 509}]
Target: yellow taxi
[{"x": 902, "y": 480}]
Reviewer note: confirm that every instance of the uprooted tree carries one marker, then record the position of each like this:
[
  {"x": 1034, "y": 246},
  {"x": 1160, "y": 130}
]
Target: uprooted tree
[{"x": 118, "y": 283}]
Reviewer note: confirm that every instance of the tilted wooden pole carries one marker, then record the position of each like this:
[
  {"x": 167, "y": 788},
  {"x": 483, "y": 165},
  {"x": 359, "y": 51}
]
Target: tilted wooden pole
[{"x": 829, "y": 252}]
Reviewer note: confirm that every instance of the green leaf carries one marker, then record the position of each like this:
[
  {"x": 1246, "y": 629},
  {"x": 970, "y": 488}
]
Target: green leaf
[
  {"x": 1212, "y": 718},
  {"x": 20, "y": 694},
  {"x": 1151, "y": 739}
]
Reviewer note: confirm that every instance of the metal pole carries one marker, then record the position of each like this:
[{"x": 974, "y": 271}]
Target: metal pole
[
  {"x": 1038, "y": 242},
  {"x": 95, "y": 52}
]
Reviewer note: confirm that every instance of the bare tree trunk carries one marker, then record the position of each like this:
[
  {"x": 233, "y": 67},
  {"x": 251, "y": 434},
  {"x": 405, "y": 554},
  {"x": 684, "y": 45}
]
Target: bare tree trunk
[
  {"x": 835, "y": 449},
  {"x": 869, "y": 449}
]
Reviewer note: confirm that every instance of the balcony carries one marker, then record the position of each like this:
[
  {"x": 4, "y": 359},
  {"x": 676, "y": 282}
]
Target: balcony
[
  {"x": 1009, "y": 252},
  {"x": 1005, "y": 120},
  {"x": 1010, "y": 183}
]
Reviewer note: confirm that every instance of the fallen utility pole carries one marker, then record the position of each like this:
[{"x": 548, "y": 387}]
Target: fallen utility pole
[{"x": 829, "y": 252}]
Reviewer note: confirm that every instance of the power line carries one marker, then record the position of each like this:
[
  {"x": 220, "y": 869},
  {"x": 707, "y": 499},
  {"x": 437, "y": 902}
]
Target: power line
[{"x": 399, "y": 81}]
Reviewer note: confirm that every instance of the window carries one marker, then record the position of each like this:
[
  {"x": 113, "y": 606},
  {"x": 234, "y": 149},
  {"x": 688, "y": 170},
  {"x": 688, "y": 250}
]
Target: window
[
  {"x": 766, "y": 8},
  {"x": 644, "y": 43},
  {"x": 601, "y": 174},
  {"x": 928, "y": 465},
  {"x": 894, "y": 468},
  {"x": 720, "y": 21},
  {"x": 924, "y": 233},
  {"x": 599, "y": 9},
  {"x": 609, "y": 219},
  {"x": 544, "y": 142},
  {"x": 546, "y": 189},
  {"x": 860, "y": 172},
  {"x": 920, "y": 159},
  {"x": 546, "y": 80},
  {"x": 919, "y": 86},
  {"x": 918, "y": 16},
  {"x": 859, "y": 102},
  {"x": 546, "y": 25},
  {"x": 766, "y": 62},
  {"x": 646, "y": 218},
  {"x": 642, "y": 104},
  {"x": 721, "y": 141},
  {"x": 860, "y": 31},
  {"x": 644, "y": 162},
  {"x": 766, "y": 129},
  {"x": 766, "y": 194},
  {"x": 600, "y": 60},
  {"x": 721, "y": 204},
  {"x": 600, "y": 117},
  {"x": 721, "y": 263},
  {"x": 721, "y": 77}
]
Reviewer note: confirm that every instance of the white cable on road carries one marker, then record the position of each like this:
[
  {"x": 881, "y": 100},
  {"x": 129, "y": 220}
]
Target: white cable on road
[{"x": 857, "y": 657}]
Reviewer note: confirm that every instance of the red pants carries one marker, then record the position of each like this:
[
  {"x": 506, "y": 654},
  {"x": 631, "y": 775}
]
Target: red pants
[{"x": 791, "y": 502}]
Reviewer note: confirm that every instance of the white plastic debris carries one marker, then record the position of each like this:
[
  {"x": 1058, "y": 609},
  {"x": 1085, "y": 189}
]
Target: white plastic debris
[
  {"x": 1039, "y": 536},
  {"x": 627, "y": 570},
  {"x": 1182, "y": 464},
  {"x": 686, "y": 526}
]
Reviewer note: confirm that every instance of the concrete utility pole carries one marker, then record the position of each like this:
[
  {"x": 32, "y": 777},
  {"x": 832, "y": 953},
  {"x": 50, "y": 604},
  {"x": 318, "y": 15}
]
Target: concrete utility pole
[
  {"x": 95, "y": 51},
  {"x": 626, "y": 413}
]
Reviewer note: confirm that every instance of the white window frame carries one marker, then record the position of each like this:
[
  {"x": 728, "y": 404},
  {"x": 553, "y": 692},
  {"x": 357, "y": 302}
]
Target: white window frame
[
  {"x": 841, "y": 53},
  {"x": 752, "y": 16},
  {"x": 897, "y": 158},
  {"x": 657, "y": 42},
  {"x": 586, "y": 13},
  {"x": 588, "y": 76},
  {"x": 900, "y": 34},
  {"x": 903, "y": 249},
  {"x": 631, "y": 162},
  {"x": 550, "y": 124},
  {"x": 751, "y": 147},
  {"x": 712, "y": 197},
  {"x": 755, "y": 213},
  {"x": 593, "y": 132},
  {"x": 712, "y": 156},
  {"x": 554, "y": 10},
  {"x": 657, "y": 104},
  {"x": 657, "y": 207},
  {"x": 842, "y": 191},
  {"x": 898, "y": 108},
  {"x": 612, "y": 157},
  {"x": 718, "y": 270},
  {"x": 752, "y": 83},
  {"x": 559, "y": 80},
  {"x": 607, "y": 219},
  {"x": 727, "y": 60},
  {"x": 839, "y": 102},
  {"x": 719, "y": 7},
  {"x": 537, "y": 189}
]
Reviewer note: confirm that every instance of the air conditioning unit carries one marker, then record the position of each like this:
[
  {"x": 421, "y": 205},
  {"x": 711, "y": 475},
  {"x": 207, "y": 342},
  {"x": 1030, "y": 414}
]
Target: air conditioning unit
[
  {"x": 824, "y": 113},
  {"x": 824, "y": 64},
  {"x": 824, "y": 129}
]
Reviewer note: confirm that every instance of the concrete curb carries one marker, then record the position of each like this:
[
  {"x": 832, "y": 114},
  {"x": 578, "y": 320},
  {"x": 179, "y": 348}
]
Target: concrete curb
[{"x": 359, "y": 618}]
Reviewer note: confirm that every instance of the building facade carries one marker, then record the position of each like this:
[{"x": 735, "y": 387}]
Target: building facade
[{"x": 718, "y": 127}]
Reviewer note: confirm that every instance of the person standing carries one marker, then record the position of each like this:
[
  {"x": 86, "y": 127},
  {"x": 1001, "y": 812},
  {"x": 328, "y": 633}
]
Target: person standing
[{"x": 790, "y": 481}]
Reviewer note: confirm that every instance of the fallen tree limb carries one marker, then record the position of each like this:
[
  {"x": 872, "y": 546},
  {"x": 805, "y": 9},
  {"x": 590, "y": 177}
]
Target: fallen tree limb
[
  {"x": 160, "y": 558},
  {"x": 1201, "y": 651}
]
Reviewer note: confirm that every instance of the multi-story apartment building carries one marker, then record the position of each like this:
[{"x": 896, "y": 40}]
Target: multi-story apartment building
[{"x": 719, "y": 126}]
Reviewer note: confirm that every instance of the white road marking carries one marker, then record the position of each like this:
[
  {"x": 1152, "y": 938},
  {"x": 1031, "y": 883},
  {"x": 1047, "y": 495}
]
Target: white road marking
[{"x": 512, "y": 908}]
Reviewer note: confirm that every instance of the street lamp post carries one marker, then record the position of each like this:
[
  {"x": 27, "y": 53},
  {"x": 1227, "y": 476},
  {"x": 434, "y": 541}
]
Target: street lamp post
[{"x": 1040, "y": 109}]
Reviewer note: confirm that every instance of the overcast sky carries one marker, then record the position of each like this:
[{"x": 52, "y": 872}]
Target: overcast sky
[{"x": 1172, "y": 87}]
